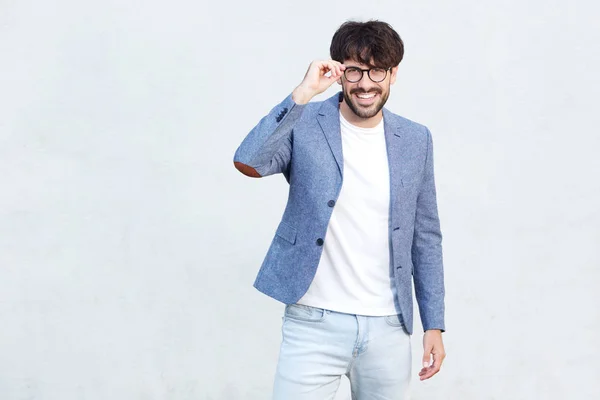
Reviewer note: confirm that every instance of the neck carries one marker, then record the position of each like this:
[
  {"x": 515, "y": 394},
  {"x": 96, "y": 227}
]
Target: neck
[{"x": 354, "y": 119}]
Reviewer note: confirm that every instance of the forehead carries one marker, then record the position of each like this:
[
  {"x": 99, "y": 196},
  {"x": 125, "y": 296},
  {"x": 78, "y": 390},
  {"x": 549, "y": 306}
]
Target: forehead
[{"x": 354, "y": 63}]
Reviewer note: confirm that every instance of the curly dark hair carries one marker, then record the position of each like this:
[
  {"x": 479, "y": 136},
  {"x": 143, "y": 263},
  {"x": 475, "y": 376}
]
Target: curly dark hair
[{"x": 374, "y": 43}]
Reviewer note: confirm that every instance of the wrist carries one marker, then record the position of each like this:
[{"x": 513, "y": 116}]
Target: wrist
[{"x": 300, "y": 95}]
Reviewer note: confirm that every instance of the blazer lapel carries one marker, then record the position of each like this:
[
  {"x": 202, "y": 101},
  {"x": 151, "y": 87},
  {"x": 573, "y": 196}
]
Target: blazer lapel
[
  {"x": 329, "y": 120},
  {"x": 395, "y": 137},
  {"x": 397, "y": 152}
]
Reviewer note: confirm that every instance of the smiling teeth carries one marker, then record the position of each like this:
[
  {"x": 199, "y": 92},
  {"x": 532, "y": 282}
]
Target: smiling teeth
[{"x": 366, "y": 96}]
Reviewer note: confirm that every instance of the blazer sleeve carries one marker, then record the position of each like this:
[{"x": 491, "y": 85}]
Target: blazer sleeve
[
  {"x": 267, "y": 149},
  {"x": 428, "y": 273}
]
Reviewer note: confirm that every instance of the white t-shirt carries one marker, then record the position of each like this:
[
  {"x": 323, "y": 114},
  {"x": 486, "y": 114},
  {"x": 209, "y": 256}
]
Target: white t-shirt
[{"x": 354, "y": 273}]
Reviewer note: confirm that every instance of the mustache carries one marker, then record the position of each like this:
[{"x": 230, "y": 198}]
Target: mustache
[{"x": 363, "y": 91}]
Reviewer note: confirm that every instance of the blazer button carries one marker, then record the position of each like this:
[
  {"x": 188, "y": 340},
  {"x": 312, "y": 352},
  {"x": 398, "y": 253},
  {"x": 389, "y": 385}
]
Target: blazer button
[
  {"x": 331, "y": 203},
  {"x": 319, "y": 242}
]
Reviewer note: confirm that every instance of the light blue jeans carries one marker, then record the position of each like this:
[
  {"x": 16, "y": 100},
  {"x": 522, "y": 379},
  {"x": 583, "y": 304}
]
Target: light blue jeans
[{"x": 319, "y": 346}]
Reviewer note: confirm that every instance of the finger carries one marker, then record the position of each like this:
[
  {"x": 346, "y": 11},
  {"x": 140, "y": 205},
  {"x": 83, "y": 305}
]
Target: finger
[
  {"x": 339, "y": 73},
  {"x": 335, "y": 71},
  {"x": 339, "y": 67},
  {"x": 426, "y": 361},
  {"x": 427, "y": 373},
  {"x": 322, "y": 65},
  {"x": 339, "y": 64},
  {"x": 427, "y": 357}
]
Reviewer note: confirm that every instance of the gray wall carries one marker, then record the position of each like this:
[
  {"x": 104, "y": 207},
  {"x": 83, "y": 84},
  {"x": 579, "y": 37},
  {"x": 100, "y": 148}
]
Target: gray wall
[{"x": 129, "y": 243}]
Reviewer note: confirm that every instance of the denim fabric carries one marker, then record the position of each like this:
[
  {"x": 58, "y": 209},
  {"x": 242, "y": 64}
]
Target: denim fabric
[
  {"x": 303, "y": 142},
  {"x": 319, "y": 346}
]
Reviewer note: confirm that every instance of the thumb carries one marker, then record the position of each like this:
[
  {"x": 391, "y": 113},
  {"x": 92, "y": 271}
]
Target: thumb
[{"x": 427, "y": 356}]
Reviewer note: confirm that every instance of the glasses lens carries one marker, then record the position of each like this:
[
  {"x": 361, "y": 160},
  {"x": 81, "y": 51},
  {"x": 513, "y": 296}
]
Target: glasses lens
[
  {"x": 377, "y": 74},
  {"x": 353, "y": 74}
]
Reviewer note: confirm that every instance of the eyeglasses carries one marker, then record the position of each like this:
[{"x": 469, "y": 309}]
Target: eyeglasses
[{"x": 355, "y": 74}]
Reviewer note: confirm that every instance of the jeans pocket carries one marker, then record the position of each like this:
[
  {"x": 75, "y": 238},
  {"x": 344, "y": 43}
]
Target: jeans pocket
[
  {"x": 394, "y": 320},
  {"x": 304, "y": 313}
]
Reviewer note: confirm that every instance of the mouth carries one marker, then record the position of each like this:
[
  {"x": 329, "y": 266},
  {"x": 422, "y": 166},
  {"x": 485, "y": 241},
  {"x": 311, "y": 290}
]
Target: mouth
[{"x": 365, "y": 99}]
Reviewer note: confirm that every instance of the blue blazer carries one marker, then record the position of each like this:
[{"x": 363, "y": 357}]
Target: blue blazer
[{"x": 303, "y": 142}]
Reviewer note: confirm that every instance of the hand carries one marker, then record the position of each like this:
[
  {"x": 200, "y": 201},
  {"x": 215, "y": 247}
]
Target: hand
[
  {"x": 432, "y": 346},
  {"x": 316, "y": 81}
]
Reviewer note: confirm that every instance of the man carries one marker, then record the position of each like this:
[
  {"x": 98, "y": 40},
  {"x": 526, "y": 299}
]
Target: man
[{"x": 361, "y": 224}]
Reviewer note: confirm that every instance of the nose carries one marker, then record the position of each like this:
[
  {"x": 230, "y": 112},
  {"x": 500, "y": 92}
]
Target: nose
[{"x": 365, "y": 82}]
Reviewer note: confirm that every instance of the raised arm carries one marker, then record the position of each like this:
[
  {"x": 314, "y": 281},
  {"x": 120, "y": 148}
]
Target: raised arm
[{"x": 267, "y": 149}]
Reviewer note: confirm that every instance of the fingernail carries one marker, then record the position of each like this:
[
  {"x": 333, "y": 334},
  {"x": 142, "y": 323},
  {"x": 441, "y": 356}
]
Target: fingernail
[{"x": 425, "y": 364}]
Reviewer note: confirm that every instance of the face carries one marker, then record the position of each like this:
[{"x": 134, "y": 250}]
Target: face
[{"x": 366, "y": 98}]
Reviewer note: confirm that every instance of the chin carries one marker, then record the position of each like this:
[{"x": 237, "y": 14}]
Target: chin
[
  {"x": 365, "y": 113},
  {"x": 368, "y": 111}
]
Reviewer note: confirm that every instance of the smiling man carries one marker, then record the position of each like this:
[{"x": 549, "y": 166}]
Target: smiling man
[{"x": 360, "y": 227}]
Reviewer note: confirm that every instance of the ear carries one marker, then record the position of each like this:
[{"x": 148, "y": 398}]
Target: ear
[
  {"x": 339, "y": 81},
  {"x": 393, "y": 74}
]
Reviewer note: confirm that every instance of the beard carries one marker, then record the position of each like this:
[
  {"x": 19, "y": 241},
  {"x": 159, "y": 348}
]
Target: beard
[{"x": 368, "y": 111}]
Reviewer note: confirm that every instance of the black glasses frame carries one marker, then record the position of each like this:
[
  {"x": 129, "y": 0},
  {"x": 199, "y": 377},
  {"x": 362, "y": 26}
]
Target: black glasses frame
[{"x": 362, "y": 73}]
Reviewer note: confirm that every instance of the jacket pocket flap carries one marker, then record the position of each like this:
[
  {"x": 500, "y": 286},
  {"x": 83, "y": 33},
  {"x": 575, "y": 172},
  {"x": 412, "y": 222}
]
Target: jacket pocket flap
[{"x": 286, "y": 232}]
